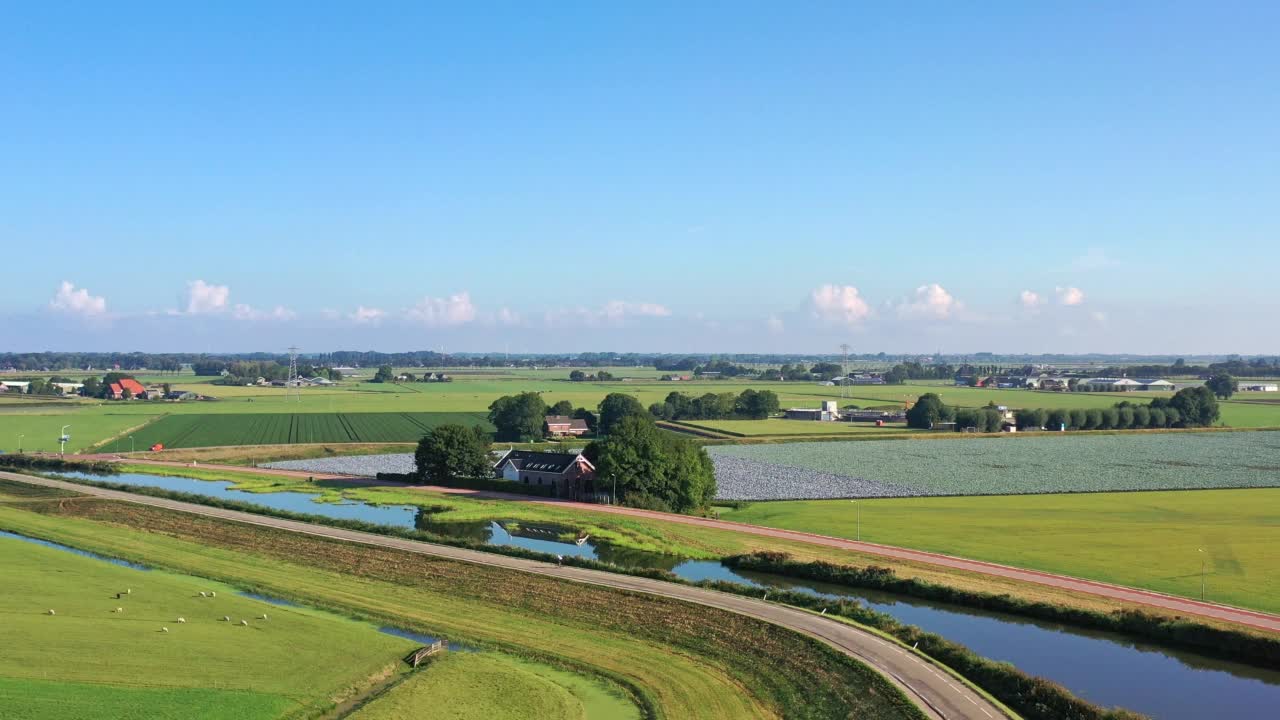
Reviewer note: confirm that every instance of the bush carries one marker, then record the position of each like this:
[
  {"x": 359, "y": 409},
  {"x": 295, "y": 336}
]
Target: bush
[{"x": 485, "y": 484}]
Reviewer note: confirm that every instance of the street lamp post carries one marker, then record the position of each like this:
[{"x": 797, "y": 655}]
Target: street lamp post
[
  {"x": 130, "y": 444},
  {"x": 62, "y": 441},
  {"x": 613, "y": 495}
]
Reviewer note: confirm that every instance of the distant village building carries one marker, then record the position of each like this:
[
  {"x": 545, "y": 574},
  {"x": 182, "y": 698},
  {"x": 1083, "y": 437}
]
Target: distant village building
[
  {"x": 571, "y": 474},
  {"x": 563, "y": 426},
  {"x": 1124, "y": 384},
  {"x": 827, "y": 413},
  {"x": 116, "y": 390},
  {"x": 1258, "y": 387}
]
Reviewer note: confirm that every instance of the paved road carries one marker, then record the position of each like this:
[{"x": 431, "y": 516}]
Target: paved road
[
  {"x": 1119, "y": 593},
  {"x": 940, "y": 695}
]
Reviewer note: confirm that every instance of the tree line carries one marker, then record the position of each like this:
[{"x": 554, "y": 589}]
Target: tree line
[
  {"x": 748, "y": 405},
  {"x": 1189, "y": 407}
]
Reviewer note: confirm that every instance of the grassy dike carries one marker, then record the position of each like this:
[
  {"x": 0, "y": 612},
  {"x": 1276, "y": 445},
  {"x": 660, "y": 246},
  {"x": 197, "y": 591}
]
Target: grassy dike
[{"x": 678, "y": 660}]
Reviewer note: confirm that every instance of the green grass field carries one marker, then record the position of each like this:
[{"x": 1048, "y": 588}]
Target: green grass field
[
  {"x": 778, "y": 427},
  {"x": 1142, "y": 539},
  {"x": 187, "y": 431},
  {"x": 479, "y": 686},
  {"x": 684, "y": 660},
  {"x": 90, "y": 661},
  {"x": 94, "y": 421}
]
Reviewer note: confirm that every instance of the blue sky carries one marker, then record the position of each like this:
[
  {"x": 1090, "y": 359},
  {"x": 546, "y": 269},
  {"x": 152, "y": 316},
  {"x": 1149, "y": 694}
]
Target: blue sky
[{"x": 1032, "y": 177}]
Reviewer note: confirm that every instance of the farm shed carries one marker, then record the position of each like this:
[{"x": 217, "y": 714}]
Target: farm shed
[{"x": 571, "y": 474}]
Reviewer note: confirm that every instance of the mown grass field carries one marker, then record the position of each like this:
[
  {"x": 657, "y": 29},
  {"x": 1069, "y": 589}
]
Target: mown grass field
[
  {"x": 479, "y": 686},
  {"x": 685, "y": 661},
  {"x": 90, "y": 661},
  {"x": 1143, "y": 539},
  {"x": 94, "y": 421}
]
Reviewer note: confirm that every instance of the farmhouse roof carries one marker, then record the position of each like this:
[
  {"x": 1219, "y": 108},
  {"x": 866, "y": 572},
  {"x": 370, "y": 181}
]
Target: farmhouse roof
[
  {"x": 564, "y": 421},
  {"x": 550, "y": 462},
  {"x": 132, "y": 386}
]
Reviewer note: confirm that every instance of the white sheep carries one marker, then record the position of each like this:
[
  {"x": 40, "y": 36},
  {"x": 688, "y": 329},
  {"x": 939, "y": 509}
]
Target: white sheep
[
  {"x": 164, "y": 629},
  {"x": 244, "y": 622},
  {"x": 182, "y": 620},
  {"x": 128, "y": 591},
  {"x": 213, "y": 594},
  {"x": 51, "y": 612},
  {"x": 264, "y": 616},
  {"x": 119, "y": 610},
  {"x": 202, "y": 594},
  {"x": 226, "y": 618}
]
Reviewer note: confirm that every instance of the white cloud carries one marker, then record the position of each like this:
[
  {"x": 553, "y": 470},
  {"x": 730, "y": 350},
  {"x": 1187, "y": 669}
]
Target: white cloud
[
  {"x": 930, "y": 301},
  {"x": 1030, "y": 300},
  {"x": 443, "y": 312},
  {"x": 367, "y": 316},
  {"x": 614, "y": 312},
  {"x": 69, "y": 299},
  {"x": 1070, "y": 295},
  {"x": 507, "y": 316},
  {"x": 247, "y": 312},
  {"x": 205, "y": 298},
  {"x": 839, "y": 303},
  {"x": 775, "y": 324}
]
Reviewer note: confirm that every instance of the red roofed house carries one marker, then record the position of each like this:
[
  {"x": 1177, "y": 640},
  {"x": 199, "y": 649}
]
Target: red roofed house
[
  {"x": 115, "y": 391},
  {"x": 571, "y": 474},
  {"x": 562, "y": 426}
]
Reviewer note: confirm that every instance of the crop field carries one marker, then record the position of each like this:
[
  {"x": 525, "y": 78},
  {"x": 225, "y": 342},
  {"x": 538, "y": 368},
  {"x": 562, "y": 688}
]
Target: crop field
[
  {"x": 187, "y": 431},
  {"x": 998, "y": 465},
  {"x": 1143, "y": 539},
  {"x": 88, "y": 660},
  {"x": 94, "y": 421},
  {"x": 682, "y": 660},
  {"x": 479, "y": 686},
  {"x": 779, "y": 427}
]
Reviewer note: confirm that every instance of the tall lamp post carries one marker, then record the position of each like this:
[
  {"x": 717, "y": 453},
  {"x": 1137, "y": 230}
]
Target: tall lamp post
[
  {"x": 130, "y": 444},
  {"x": 859, "y": 505},
  {"x": 62, "y": 441},
  {"x": 613, "y": 495}
]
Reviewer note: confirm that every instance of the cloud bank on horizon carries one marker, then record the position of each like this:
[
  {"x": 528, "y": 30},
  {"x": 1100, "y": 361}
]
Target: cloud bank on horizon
[{"x": 926, "y": 318}]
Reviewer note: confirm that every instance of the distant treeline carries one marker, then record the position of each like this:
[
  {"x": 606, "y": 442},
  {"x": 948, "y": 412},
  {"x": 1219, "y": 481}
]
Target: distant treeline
[
  {"x": 1189, "y": 407},
  {"x": 748, "y": 404}
]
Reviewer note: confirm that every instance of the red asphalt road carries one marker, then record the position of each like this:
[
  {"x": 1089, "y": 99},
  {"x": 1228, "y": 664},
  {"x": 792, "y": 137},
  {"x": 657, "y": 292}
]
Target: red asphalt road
[{"x": 1119, "y": 593}]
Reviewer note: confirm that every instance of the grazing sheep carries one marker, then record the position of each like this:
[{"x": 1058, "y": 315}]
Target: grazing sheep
[
  {"x": 182, "y": 620},
  {"x": 244, "y": 622},
  {"x": 202, "y": 594},
  {"x": 164, "y": 629},
  {"x": 52, "y": 612},
  {"x": 226, "y": 618},
  {"x": 213, "y": 594},
  {"x": 128, "y": 591},
  {"x": 264, "y": 616},
  {"x": 119, "y": 610}
]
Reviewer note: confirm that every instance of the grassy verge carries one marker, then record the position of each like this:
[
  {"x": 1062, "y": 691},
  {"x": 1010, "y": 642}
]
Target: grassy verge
[{"x": 679, "y": 660}]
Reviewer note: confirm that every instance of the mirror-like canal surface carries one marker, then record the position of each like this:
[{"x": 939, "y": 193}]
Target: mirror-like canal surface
[{"x": 1106, "y": 669}]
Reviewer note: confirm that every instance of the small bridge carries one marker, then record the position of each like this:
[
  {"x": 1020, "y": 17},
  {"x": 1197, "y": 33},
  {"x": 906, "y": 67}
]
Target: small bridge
[{"x": 417, "y": 656}]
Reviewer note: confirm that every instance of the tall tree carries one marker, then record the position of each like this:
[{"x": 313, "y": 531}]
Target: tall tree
[
  {"x": 564, "y": 407},
  {"x": 616, "y": 406},
  {"x": 518, "y": 417},
  {"x": 927, "y": 411},
  {"x": 1222, "y": 385},
  {"x": 385, "y": 374},
  {"x": 448, "y": 452}
]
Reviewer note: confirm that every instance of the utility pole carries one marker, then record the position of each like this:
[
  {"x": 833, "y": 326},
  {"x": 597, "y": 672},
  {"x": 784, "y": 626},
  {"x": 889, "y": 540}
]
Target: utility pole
[
  {"x": 62, "y": 441},
  {"x": 130, "y": 444},
  {"x": 844, "y": 371},
  {"x": 613, "y": 496}
]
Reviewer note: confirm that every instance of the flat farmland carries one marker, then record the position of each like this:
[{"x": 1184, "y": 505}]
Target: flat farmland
[
  {"x": 1143, "y": 539},
  {"x": 999, "y": 465},
  {"x": 778, "y": 427},
  {"x": 188, "y": 431}
]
